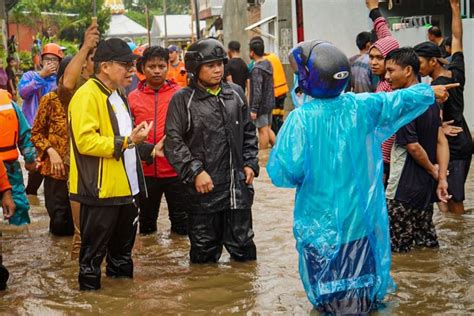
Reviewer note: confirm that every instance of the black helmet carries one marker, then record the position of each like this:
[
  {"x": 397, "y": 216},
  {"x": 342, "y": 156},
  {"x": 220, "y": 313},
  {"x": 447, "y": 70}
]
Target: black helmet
[
  {"x": 323, "y": 70},
  {"x": 202, "y": 52}
]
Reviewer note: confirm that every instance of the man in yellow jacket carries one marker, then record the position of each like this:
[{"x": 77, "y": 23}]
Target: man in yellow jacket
[{"x": 105, "y": 171}]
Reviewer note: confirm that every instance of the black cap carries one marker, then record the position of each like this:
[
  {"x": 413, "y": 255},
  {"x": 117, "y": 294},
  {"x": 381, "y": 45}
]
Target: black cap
[
  {"x": 430, "y": 50},
  {"x": 114, "y": 49}
]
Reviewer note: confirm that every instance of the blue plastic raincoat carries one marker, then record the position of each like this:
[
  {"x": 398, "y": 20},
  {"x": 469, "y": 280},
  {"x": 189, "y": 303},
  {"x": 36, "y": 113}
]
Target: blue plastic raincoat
[
  {"x": 330, "y": 150},
  {"x": 300, "y": 98},
  {"x": 31, "y": 88},
  {"x": 15, "y": 175}
]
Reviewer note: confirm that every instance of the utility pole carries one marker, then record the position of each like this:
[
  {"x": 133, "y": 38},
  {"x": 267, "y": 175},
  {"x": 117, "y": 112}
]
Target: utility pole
[
  {"x": 191, "y": 2},
  {"x": 166, "y": 24},
  {"x": 147, "y": 18},
  {"x": 196, "y": 12}
]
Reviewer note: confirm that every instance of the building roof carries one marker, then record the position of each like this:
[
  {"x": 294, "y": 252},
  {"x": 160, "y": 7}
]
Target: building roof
[
  {"x": 122, "y": 26},
  {"x": 178, "y": 26},
  {"x": 115, "y": 6}
]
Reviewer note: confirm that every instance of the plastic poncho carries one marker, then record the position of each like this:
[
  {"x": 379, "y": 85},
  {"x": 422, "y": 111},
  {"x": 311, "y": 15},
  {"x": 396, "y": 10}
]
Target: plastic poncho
[
  {"x": 329, "y": 149},
  {"x": 31, "y": 88},
  {"x": 297, "y": 96},
  {"x": 15, "y": 175}
]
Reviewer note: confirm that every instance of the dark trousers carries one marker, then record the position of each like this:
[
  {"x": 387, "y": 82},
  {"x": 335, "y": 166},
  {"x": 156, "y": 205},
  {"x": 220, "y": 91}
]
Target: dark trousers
[
  {"x": 34, "y": 182},
  {"x": 56, "y": 198},
  {"x": 353, "y": 260},
  {"x": 106, "y": 230},
  {"x": 173, "y": 189},
  {"x": 3, "y": 270},
  {"x": 208, "y": 233}
]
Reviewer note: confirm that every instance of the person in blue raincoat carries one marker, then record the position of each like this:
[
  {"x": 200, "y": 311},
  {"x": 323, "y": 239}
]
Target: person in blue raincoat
[
  {"x": 329, "y": 149},
  {"x": 15, "y": 134}
]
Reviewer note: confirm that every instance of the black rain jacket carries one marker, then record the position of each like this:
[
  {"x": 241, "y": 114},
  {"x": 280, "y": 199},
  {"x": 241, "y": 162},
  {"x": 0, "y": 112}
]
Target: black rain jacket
[{"x": 213, "y": 134}]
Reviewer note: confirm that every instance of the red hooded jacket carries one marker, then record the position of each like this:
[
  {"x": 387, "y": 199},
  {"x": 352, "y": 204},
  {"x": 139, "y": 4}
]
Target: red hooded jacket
[{"x": 149, "y": 105}]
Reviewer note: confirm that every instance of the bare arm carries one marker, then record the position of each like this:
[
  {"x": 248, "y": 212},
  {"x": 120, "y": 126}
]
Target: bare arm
[
  {"x": 442, "y": 158},
  {"x": 442, "y": 154},
  {"x": 456, "y": 27},
  {"x": 73, "y": 70},
  {"x": 421, "y": 158},
  {"x": 247, "y": 90},
  {"x": 380, "y": 23}
]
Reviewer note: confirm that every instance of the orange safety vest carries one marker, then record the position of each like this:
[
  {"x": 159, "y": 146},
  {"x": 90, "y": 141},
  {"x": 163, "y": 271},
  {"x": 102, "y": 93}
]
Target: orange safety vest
[
  {"x": 178, "y": 74},
  {"x": 279, "y": 80},
  {"x": 9, "y": 130}
]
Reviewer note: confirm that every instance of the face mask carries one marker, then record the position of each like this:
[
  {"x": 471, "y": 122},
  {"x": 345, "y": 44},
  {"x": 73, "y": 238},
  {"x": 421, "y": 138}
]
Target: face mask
[{"x": 297, "y": 95}]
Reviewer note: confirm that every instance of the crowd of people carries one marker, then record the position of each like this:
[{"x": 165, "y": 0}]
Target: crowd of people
[{"x": 111, "y": 130}]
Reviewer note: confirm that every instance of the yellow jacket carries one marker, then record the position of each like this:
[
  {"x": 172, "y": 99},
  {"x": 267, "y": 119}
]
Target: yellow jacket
[{"x": 97, "y": 171}]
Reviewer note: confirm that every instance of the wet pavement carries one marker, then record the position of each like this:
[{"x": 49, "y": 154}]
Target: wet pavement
[{"x": 44, "y": 280}]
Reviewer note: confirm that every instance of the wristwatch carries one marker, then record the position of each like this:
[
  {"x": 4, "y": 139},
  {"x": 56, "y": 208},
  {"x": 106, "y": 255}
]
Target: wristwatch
[{"x": 129, "y": 144}]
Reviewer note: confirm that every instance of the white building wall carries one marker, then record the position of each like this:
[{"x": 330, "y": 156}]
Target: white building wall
[
  {"x": 336, "y": 21},
  {"x": 267, "y": 9},
  {"x": 468, "y": 42}
]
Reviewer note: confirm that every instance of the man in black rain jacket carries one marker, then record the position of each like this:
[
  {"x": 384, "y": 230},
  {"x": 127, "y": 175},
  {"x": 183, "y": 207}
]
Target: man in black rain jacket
[{"x": 212, "y": 145}]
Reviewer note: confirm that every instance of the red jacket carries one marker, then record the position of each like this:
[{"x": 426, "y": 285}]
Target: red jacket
[{"x": 149, "y": 105}]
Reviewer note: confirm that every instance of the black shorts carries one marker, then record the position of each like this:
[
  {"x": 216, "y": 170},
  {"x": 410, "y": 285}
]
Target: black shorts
[
  {"x": 280, "y": 101},
  {"x": 458, "y": 171}
]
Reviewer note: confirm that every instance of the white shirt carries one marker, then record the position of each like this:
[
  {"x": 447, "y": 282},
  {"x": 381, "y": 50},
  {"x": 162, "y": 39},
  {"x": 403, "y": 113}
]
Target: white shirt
[{"x": 125, "y": 129}]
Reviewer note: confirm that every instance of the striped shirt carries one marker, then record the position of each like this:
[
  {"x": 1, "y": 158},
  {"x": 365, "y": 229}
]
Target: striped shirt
[{"x": 385, "y": 44}]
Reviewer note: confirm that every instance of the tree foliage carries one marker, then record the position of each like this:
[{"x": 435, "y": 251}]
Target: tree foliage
[
  {"x": 136, "y": 8},
  {"x": 51, "y": 12}
]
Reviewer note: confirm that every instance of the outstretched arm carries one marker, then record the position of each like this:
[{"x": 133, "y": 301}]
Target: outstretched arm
[
  {"x": 73, "y": 70},
  {"x": 380, "y": 24},
  {"x": 390, "y": 111},
  {"x": 456, "y": 27}
]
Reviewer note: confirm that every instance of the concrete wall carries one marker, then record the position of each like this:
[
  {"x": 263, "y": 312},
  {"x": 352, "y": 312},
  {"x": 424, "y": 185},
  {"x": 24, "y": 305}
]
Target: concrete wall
[
  {"x": 234, "y": 22},
  {"x": 336, "y": 21}
]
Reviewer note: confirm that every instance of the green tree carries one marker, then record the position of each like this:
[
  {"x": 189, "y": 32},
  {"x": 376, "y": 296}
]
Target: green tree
[
  {"x": 135, "y": 9},
  {"x": 51, "y": 12}
]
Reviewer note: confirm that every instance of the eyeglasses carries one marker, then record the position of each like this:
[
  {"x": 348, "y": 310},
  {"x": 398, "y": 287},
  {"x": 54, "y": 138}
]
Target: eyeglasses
[
  {"x": 127, "y": 65},
  {"x": 51, "y": 59}
]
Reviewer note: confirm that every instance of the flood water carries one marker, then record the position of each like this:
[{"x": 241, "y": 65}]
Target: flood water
[{"x": 43, "y": 279}]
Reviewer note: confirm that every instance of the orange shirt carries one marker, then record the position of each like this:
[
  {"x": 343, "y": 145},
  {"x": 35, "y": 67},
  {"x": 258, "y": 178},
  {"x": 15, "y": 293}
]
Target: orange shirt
[{"x": 178, "y": 74}]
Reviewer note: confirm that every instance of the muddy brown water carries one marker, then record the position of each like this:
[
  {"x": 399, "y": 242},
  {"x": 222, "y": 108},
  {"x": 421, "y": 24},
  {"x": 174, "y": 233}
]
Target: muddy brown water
[{"x": 44, "y": 280}]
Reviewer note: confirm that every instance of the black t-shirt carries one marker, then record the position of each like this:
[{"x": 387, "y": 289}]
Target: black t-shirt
[
  {"x": 442, "y": 47},
  {"x": 416, "y": 186},
  {"x": 11, "y": 76},
  {"x": 237, "y": 68},
  {"x": 460, "y": 146}
]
